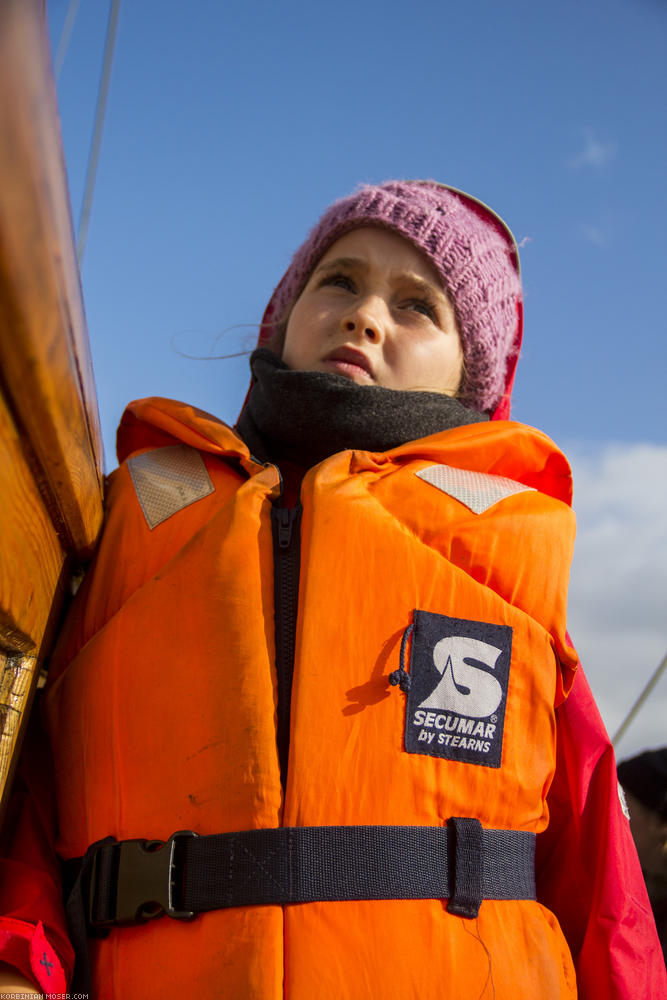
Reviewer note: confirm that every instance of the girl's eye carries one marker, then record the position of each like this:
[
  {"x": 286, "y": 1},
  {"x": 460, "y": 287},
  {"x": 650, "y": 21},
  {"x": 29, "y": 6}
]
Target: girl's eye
[
  {"x": 424, "y": 307},
  {"x": 340, "y": 281}
]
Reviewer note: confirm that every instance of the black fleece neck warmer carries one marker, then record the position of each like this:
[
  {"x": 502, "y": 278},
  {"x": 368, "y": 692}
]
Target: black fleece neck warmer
[{"x": 306, "y": 416}]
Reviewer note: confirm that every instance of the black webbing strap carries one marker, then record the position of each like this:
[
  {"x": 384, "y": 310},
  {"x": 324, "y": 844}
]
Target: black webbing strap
[
  {"x": 468, "y": 890},
  {"x": 188, "y": 875},
  {"x": 76, "y": 883},
  {"x": 121, "y": 882}
]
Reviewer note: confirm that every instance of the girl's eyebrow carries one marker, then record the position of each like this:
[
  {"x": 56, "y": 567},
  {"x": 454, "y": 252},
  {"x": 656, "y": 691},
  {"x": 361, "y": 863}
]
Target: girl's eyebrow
[
  {"x": 332, "y": 265},
  {"x": 422, "y": 285},
  {"x": 414, "y": 284}
]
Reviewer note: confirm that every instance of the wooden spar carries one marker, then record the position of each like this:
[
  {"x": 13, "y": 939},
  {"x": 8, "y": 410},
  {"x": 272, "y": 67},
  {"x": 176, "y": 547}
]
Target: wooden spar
[{"x": 50, "y": 440}]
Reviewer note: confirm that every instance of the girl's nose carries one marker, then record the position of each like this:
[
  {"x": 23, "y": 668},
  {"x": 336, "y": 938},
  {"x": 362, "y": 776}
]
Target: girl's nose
[
  {"x": 370, "y": 332},
  {"x": 364, "y": 323}
]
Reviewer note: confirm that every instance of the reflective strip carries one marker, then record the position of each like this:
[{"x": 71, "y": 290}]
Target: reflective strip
[
  {"x": 168, "y": 479},
  {"x": 477, "y": 490}
]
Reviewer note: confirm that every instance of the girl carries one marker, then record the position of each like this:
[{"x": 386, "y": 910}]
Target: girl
[{"x": 306, "y": 699}]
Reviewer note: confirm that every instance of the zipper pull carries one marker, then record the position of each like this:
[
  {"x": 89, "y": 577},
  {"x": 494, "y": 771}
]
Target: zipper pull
[{"x": 286, "y": 518}]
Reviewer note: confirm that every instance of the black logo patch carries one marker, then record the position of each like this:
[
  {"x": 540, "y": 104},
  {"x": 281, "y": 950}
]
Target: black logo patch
[{"x": 459, "y": 672}]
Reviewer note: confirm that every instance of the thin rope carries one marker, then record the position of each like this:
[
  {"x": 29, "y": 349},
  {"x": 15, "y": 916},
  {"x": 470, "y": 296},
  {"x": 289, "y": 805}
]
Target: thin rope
[
  {"x": 97, "y": 132},
  {"x": 653, "y": 680},
  {"x": 65, "y": 35}
]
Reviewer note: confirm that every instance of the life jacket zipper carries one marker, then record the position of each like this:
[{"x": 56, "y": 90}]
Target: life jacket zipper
[{"x": 285, "y": 524}]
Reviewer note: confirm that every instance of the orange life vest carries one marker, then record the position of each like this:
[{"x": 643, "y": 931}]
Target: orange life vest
[{"x": 163, "y": 699}]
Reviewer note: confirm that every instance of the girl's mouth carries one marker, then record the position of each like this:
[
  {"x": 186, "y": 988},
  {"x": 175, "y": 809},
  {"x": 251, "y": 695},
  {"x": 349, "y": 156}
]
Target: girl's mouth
[{"x": 349, "y": 362}]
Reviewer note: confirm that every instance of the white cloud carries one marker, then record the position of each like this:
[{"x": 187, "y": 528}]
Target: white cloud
[
  {"x": 594, "y": 152},
  {"x": 597, "y": 235},
  {"x": 618, "y": 590}
]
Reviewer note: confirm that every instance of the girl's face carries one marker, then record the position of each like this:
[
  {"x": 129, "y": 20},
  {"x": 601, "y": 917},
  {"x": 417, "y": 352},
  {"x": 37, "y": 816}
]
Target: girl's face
[{"x": 375, "y": 312}]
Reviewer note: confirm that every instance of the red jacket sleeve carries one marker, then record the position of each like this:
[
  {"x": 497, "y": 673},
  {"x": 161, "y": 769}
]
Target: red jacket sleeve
[
  {"x": 588, "y": 872},
  {"x": 33, "y": 934}
]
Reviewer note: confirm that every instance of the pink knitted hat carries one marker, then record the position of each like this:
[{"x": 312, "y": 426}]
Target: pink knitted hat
[{"x": 473, "y": 252}]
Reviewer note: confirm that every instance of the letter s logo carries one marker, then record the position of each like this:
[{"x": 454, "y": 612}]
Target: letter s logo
[{"x": 463, "y": 687}]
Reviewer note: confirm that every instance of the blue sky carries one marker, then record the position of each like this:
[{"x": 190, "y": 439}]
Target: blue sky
[{"x": 231, "y": 125}]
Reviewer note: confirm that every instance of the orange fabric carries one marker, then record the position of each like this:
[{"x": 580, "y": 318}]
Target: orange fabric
[{"x": 162, "y": 705}]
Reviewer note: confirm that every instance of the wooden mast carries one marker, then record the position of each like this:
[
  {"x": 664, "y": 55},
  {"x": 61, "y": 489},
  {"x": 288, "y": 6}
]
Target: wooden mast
[{"x": 50, "y": 440}]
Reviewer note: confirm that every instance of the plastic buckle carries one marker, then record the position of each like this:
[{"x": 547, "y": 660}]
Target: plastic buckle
[{"x": 146, "y": 881}]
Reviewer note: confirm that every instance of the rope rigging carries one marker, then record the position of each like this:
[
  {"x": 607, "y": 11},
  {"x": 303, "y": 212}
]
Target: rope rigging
[
  {"x": 648, "y": 688},
  {"x": 64, "y": 40},
  {"x": 91, "y": 172}
]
